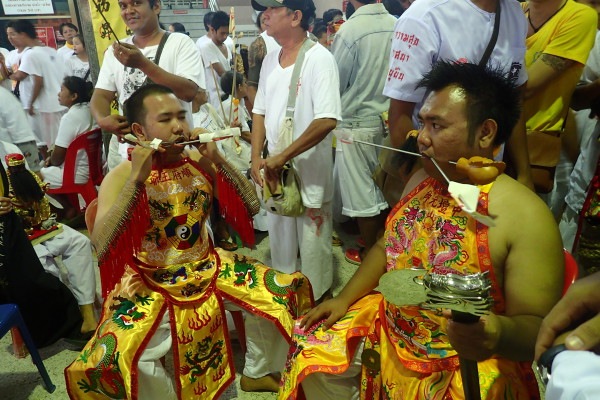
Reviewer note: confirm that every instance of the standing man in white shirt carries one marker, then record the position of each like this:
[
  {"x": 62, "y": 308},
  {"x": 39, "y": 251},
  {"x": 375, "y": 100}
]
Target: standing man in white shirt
[
  {"x": 39, "y": 77},
  {"x": 317, "y": 109},
  {"x": 359, "y": 47},
  {"x": 15, "y": 129},
  {"x": 216, "y": 56},
  {"x": 130, "y": 63}
]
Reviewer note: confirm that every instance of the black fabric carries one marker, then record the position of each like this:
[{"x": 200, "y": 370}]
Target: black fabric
[{"x": 48, "y": 307}]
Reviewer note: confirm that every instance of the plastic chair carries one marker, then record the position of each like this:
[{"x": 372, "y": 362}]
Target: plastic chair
[
  {"x": 91, "y": 142},
  {"x": 90, "y": 215},
  {"x": 571, "y": 271},
  {"x": 10, "y": 317}
]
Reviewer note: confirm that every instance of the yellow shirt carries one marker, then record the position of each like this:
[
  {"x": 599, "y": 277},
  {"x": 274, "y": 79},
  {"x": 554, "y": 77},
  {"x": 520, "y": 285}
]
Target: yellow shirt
[{"x": 569, "y": 34}]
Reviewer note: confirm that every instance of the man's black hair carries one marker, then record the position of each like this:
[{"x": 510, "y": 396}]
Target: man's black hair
[
  {"x": 134, "y": 108},
  {"x": 227, "y": 82},
  {"x": 320, "y": 29},
  {"x": 207, "y": 18},
  {"x": 350, "y": 10},
  {"x": 178, "y": 27},
  {"x": 23, "y": 26},
  {"x": 329, "y": 14},
  {"x": 489, "y": 93},
  {"x": 393, "y": 7},
  {"x": 70, "y": 25},
  {"x": 219, "y": 19}
]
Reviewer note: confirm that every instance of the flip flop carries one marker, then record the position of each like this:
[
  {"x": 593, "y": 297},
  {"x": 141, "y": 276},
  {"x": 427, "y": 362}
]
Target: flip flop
[
  {"x": 353, "y": 256},
  {"x": 226, "y": 245},
  {"x": 336, "y": 241}
]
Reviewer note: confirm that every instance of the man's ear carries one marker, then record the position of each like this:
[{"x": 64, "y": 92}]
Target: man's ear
[
  {"x": 487, "y": 133},
  {"x": 157, "y": 7},
  {"x": 138, "y": 131},
  {"x": 297, "y": 18}
]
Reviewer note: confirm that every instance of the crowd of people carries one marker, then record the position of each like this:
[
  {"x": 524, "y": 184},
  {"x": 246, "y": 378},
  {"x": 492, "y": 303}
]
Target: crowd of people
[{"x": 323, "y": 107}]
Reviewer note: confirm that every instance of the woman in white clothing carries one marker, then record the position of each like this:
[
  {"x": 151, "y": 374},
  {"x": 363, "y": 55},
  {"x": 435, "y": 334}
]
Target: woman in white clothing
[
  {"x": 75, "y": 93},
  {"x": 78, "y": 64}
]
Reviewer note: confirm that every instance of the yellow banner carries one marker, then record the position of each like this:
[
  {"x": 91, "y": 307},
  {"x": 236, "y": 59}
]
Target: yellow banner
[{"x": 103, "y": 34}]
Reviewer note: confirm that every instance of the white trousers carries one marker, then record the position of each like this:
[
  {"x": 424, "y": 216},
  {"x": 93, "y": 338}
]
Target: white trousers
[
  {"x": 323, "y": 386},
  {"x": 76, "y": 251},
  {"x": 267, "y": 352},
  {"x": 355, "y": 165},
  {"x": 575, "y": 376},
  {"x": 568, "y": 227},
  {"x": 309, "y": 233},
  {"x": 45, "y": 126}
]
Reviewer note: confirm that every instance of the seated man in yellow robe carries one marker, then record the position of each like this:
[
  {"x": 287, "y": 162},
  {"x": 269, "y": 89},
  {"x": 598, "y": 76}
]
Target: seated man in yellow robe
[
  {"x": 166, "y": 287},
  {"x": 360, "y": 345}
]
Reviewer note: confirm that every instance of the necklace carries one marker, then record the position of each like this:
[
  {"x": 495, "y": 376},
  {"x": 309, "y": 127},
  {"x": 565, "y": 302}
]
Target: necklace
[{"x": 535, "y": 30}]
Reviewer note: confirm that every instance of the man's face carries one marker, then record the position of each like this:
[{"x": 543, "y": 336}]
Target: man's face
[
  {"x": 165, "y": 119},
  {"x": 15, "y": 38},
  {"x": 444, "y": 131},
  {"x": 68, "y": 33},
  {"x": 138, "y": 15},
  {"x": 220, "y": 35},
  {"x": 278, "y": 20}
]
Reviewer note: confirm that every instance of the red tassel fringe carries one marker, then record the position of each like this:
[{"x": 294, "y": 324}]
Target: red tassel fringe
[
  {"x": 233, "y": 209},
  {"x": 125, "y": 242}
]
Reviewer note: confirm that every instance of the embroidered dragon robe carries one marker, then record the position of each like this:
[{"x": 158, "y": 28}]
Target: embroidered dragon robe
[
  {"x": 179, "y": 270},
  {"x": 407, "y": 354}
]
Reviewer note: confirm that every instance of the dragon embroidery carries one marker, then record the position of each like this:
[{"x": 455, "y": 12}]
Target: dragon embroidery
[
  {"x": 105, "y": 377},
  {"x": 208, "y": 355},
  {"x": 126, "y": 312}
]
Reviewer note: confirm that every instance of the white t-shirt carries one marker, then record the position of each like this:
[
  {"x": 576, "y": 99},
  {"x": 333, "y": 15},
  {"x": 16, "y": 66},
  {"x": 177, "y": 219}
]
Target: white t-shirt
[
  {"x": 14, "y": 127},
  {"x": 236, "y": 150},
  {"x": 75, "y": 67},
  {"x": 212, "y": 55},
  {"x": 454, "y": 30},
  {"x": 41, "y": 61},
  {"x": 6, "y": 83},
  {"x": 270, "y": 42},
  {"x": 13, "y": 59},
  {"x": 65, "y": 52},
  {"x": 179, "y": 57},
  {"x": 318, "y": 97},
  {"x": 76, "y": 121},
  {"x": 589, "y": 131}
]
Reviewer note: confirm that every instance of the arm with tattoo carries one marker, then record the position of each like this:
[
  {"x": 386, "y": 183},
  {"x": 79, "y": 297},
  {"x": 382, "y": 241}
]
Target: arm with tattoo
[{"x": 546, "y": 69}]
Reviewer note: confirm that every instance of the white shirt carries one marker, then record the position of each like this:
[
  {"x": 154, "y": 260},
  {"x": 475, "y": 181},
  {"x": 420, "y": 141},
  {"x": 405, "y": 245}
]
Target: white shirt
[
  {"x": 318, "y": 97},
  {"x": 41, "y": 61},
  {"x": 6, "y": 83},
  {"x": 454, "y": 30},
  {"x": 65, "y": 52},
  {"x": 589, "y": 131},
  {"x": 75, "y": 67},
  {"x": 212, "y": 55},
  {"x": 179, "y": 57},
  {"x": 270, "y": 42},
  {"x": 575, "y": 376},
  {"x": 14, "y": 127},
  {"x": 76, "y": 121},
  {"x": 236, "y": 150}
]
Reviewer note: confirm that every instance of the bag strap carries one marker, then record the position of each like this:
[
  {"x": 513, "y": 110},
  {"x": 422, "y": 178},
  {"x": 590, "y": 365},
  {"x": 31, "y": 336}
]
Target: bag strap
[
  {"x": 161, "y": 46},
  {"x": 291, "y": 103},
  {"x": 493, "y": 39},
  {"x": 87, "y": 74}
]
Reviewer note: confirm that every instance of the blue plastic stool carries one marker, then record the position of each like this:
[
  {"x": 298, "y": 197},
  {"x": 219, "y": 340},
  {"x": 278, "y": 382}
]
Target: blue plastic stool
[{"x": 11, "y": 317}]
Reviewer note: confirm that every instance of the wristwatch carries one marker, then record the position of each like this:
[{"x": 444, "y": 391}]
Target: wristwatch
[{"x": 544, "y": 364}]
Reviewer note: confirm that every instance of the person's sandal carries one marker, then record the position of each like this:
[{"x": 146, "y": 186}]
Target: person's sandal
[
  {"x": 226, "y": 245},
  {"x": 336, "y": 241},
  {"x": 353, "y": 256}
]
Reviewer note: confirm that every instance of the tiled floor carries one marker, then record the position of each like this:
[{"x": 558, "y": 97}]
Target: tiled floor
[{"x": 19, "y": 379}]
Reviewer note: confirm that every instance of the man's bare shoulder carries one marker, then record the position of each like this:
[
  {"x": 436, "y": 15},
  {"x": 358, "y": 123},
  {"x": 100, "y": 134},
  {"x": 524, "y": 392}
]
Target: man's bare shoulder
[
  {"x": 117, "y": 177},
  {"x": 513, "y": 203}
]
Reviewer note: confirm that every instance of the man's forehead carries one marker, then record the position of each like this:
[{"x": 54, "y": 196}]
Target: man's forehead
[
  {"x": 162, "y": 103},
  {"x": 444, "y": 101}
]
